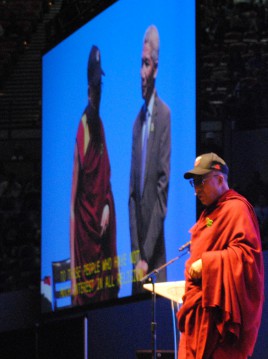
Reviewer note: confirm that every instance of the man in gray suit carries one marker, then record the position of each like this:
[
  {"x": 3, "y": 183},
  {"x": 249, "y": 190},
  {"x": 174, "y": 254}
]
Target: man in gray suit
[{"x": 150, "y": 168}]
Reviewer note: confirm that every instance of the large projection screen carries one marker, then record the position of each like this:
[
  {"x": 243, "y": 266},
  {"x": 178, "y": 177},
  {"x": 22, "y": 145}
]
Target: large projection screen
[{"x": 118, "y": 32}]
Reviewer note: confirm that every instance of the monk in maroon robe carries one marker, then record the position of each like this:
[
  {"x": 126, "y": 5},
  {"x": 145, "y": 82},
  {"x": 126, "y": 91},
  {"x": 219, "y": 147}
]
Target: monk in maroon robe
[
  {"x": 221, "y": 311},
  {"x": 94, "y": 263}
]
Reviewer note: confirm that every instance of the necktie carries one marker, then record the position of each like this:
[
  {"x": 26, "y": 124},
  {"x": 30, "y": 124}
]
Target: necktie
[{"x": 144, "y": 149}]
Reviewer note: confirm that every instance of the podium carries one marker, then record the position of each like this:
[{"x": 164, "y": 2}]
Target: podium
[{"x": 174, "y": 291}]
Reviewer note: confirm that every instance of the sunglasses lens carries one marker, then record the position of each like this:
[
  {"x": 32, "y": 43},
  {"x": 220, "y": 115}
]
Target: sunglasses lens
[{"x": 196, "y": 182}]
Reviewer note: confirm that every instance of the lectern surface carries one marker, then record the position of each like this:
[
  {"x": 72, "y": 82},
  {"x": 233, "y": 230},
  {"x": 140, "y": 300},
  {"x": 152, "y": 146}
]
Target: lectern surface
[{"x": 171, "y": 290}]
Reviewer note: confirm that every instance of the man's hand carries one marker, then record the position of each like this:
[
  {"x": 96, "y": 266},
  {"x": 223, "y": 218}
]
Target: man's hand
[
  {"x": 104, "y": 219},
  {"x": 141, "y": 269},
  {"x": 195, "y": 270}
]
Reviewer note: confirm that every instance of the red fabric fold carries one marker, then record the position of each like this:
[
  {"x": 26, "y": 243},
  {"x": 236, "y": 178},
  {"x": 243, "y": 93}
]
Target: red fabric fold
[
  {"x": 224, "y": 309},
  {"x": 93, "y": 193}
]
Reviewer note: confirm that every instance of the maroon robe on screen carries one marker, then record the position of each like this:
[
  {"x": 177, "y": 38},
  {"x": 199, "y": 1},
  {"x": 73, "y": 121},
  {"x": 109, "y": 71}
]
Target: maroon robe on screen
[
  {"x": 221, "y": 313},
  {"x": 96, "y": 266}
]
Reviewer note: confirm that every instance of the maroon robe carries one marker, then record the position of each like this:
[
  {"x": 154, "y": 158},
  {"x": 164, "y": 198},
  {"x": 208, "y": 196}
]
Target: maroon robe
[
  {"x": 221, "y": 313},
  {"x": 96, "y": 265}
]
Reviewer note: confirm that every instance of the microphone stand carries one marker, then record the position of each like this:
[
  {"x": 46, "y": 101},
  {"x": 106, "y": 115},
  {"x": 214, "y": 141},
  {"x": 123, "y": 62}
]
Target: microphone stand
[{"x": 151, "y": 278}]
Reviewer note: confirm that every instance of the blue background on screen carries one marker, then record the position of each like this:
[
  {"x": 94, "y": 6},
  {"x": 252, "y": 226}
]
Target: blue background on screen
[{"x": 118, "y": 32}]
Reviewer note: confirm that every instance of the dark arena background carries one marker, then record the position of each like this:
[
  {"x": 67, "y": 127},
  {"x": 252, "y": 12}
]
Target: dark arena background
[{"x": 214, "y": 57}]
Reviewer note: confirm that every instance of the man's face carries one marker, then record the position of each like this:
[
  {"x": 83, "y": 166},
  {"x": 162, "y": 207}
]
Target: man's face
[
  {"x": 207, "y": 188},
  {"x": 148, "y": 73}
]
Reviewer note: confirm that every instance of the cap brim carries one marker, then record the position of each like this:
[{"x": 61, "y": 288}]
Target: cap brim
[{"x": 196, "y": 172}]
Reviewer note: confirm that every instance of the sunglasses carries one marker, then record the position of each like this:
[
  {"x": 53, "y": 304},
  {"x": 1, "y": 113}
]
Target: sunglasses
[{"x": 195, "y": 182}]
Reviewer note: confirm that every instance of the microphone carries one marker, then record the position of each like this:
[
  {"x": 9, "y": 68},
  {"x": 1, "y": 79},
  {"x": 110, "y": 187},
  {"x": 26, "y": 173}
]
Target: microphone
[{"x": 185, "y": 246}]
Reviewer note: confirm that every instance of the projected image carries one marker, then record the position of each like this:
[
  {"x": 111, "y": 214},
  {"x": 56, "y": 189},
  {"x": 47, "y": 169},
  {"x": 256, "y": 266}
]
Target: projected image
[
  {"x": 93, "y": 223},
  {"x": 150, "y": 168},
  {"x": 118, "y": 134}
]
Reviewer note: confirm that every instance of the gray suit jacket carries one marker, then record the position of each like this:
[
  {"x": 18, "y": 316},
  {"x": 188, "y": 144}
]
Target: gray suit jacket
[{"x": 147, "y": 210}]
